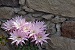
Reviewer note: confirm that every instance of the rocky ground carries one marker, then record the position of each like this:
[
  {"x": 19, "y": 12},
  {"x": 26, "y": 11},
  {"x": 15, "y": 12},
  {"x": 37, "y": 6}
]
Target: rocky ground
[{"x": 59, "y": 15}]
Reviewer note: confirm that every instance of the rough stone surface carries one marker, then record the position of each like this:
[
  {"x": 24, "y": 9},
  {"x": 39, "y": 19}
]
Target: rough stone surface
[
  {"x": 48, "y": 17},
  {"x": 0, "y": 22},
  {"x": 9, "y": 2},
  {"x": 2, "y": 45},
  {"x": 22, "y": 2},
  {"x": 37, "y": 14},
  {"x": 50, "y": 27},
  {"x": 27, "y": 9},
  {"x": 57, "y": 19},
  {"x": 59, "y": 7},
  {"x": 62, "y": 43},
  {"x": 16, "y": 10},
  {"x": 28, "y": 17},
  {"x": 21, "y": 12},
  {"x": 58, "y": 32},
  {"x": 4, "y": 48},
  {"x": 6, "y": 12},
  {"x": 68, "y": 29}
]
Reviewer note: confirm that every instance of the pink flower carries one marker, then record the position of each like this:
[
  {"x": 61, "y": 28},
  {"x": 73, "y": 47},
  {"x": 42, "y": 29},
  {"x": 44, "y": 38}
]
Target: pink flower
[
  {"x": 40, "y": 24},
  {"x": 37, "y": 27},
  {"x": 27, "y": 26},
  {"x": 21, "y": 31},
  {"x": 18, "y": 22},
  {"x": 40, "y": 38},
  {"x": 8, "y": 25},
  {"x": 18, "y": 37}
]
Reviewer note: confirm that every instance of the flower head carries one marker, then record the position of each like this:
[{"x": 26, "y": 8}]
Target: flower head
[
  {"x": 40, "y": 24},
  {"x": 8, "y": 25},
  {"x": 37, "y": 27},
  {"x": 40, "y": 38},
  {"x": 26, "y": 27},
  {"x": 18, "y": 37},
  {"x": 18, "y": 22}
]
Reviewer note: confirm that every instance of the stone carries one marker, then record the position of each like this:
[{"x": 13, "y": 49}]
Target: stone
[
  {"x": 57, "y": 19},
  {"x": 16, "y": 10},
  {"x": 48, "y": 46},
  {"x": 68, "y": 29},
  {"x": 9, "y": 3},
  {"x": 27, "y": 9},
  {"x": 48, "y": 17},
  {"x": 21, "y": 12},
  {"x": 70, "y": 19},
  {"x": 6, "y": 12},
  {"x": 37, "y": 14},
  {"x": 29, "y": 17},
  {"x": 62, "y": 43},
  {"x": 22, "y": 2},
  {"x": 4, "y": 48},
  {"x": 58, "y": 32},
  {"x": 50, "y": 27},
  {"x": 58, "y": 7},
  {"x": 5, "y": 45},
  {"x": 38, "y": 18},
  {"x": 0, "y": 22}
]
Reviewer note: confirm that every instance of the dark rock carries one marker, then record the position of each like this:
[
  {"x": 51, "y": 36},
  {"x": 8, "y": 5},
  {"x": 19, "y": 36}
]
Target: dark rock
[
  {"x": 9, "y": 2},
  {"x": 68, "y": 29}
]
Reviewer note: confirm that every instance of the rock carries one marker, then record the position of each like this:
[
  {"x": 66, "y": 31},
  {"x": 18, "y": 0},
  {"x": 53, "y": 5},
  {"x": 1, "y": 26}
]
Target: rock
[
  {"x": 16, "y": 10},
  {"x": 9, "y": 3},
  {"x": 58, "y": 32},
  {"x": 68, "y": 29},
  {"x": 6, "y": 12},
  {"x": 21, "y": 12},
  {"x": 38, "y": 18},
  {"x": 22, "y": 2},
  {"x": 57, "y": 19},
  {"x": 62, "y": 43},
  {"x": 0, "y": 22},
  {"x": 4, "y": 48},
  {"x": 48, "y": 46},
  {"x": 27, "y": 9},
  {"x": 37, "y": 14},
  {"x": 50, "y": 27},
  {"x": 70, "y": 19},
  {"x": 48, "y": 17},
  {"x": 5, "y": 45},
  {"x": 58, "y": 7},
  {"x": 28, "y": 17}
]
